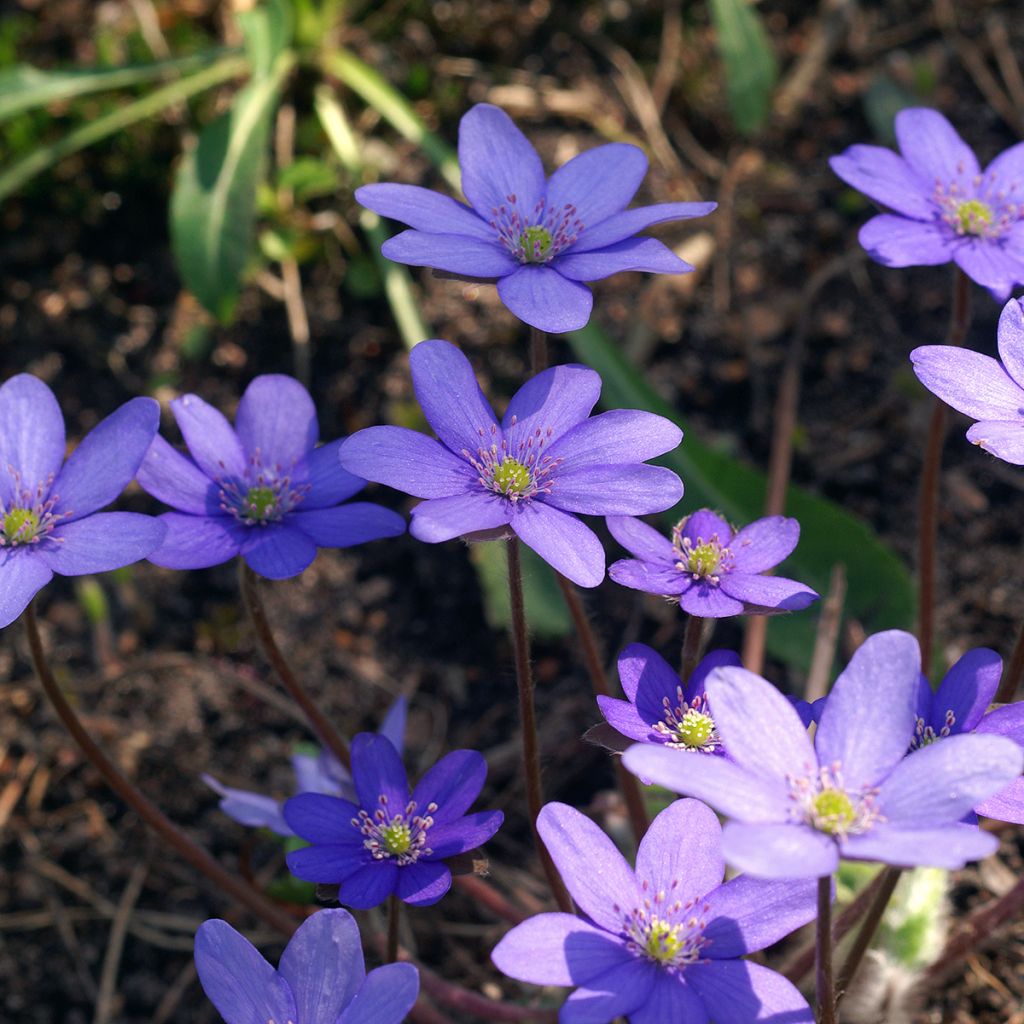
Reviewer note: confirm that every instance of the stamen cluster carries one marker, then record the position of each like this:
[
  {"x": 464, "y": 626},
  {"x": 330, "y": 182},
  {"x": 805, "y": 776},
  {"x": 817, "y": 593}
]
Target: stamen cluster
[
  {"x": 29, "y": 517},
  {"x": 266, "y": 495},
  {"x": 539, "y": 236},
  {"x": 688, "y": 725},
  {"x": 925, "y": 734},
  {"x": 823, "y": 802},
  {"x": 986, "y": 212},
  {"x": 668, "y": 933},
  {"x": 703, "y": 559},
  {"x": 401, "y": 837},
  {"x": 517, "y": 472}
]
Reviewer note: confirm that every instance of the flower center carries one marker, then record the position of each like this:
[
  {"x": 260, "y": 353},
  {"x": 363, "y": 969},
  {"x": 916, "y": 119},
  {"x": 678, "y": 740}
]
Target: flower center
[
  {"x": 536, "y": 236},
  {"x": 666, "y": 931},
  {"x": 517, "y": 472},
  {"x": 973, "y": 217},
  {"x": 833, "y": 811},
  {"x": 511, "y": 477},
  {"x": 702, "y": 559},
  {"x": 535, "y": 243},
  {"x": 824, "y": 803},
  {"x": 988, "y": 213},
  {"x": 401, "y": 837},
  {"x": 266, "y": 495},
  {"x": 29, "y": 518},
  {"x": 926, "y": 734},
  {"x": 687, "y": 725},
  {"x": 20, "y": 526}
]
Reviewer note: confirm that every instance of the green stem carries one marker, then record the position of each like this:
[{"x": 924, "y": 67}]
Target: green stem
[{"x": 825, "y": 981}]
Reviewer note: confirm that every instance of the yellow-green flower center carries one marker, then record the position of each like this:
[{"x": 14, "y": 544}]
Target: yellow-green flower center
[
  {"x": 536, "y": 244},
  {"x": 663, "y": 941},
  {"x": 704, "y": 560},
  {"x": 511, "y": 477},
  {"x": 973, "y": 217},
  {"x": 260, "y": 504},
  {"x": 694, "y": 730},
  {"x": 834, "y": 812},
  {"x": 396, "y": 838},
  {"x": 20, "y": 525}
]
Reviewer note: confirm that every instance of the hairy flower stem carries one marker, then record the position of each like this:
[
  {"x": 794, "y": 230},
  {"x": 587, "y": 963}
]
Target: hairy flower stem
[
  {"x": 862, "y": 940},
  {"x": 328, "y": 735},
  {"x": 825, "y": 982},
  {"x": 931, "y": 471},
  {"x": 394, "y": 910},
  {"x": 528, "y": 720},
  {"x": 194, "y": 854},
  {"x": 538, "y": 350},
  {"x": 1010, "y": 682},
  {"x": 628, "y": 783},
  {"x": 693, "y": 636}
]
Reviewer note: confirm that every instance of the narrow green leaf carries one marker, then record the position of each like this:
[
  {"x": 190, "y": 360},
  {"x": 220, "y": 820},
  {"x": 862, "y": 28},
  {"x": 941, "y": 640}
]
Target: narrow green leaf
[
  {"x": 268, "y": 32},
  {"x": 24, "y": 87},
  {"x": 213, "y": 207},
  {"x": 750, "y": 67},
  {"x": 15, "y": 176},
  {"x": 879, "y": 589}
]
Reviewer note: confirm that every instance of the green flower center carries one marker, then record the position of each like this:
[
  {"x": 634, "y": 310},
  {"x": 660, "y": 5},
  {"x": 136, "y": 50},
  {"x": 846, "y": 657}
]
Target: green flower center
[
  {"x": 396, "y": 838},
  {"x": 260, "y": 504},
  {"x": 973, "y": 217},
  {"x": 536, "y": 244},
  {"x": 663, "y": 941},
  {"x": 694, "y": 730},
  {"x": 20, "y": 526},
  {"x": 704, "y": 560},
  {"x": 511, "y": 477},
  {"x": 834, "y": 812}
]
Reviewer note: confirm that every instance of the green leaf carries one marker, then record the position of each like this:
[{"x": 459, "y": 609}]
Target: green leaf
[
  {"x": 879, "y": 589},
  {"x": 24, "y": 87},
  {"x": 750, "y": 67},
  {"x": 308, "y": 178},
  {"x": 545, "y": 607},
  {"x": 15, "y": 176},
  {"x": 213, "y": 207},
  {"x": 268, "y": 31}
]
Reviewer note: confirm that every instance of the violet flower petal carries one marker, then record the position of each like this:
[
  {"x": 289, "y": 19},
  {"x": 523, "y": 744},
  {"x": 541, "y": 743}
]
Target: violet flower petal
[
  {"x": 764, "y": 544},
  {"x": 932, "y": 147},
  {"x": 623, "y": 716},
  {"x": 197, "y": 542},
  {"x": 967, "y": 689},
  {"x": 251, "y": 809},
  {"x": 594, "y": 872},
  {"x": 704, "y": 524},
  {"x": 599, "y": 182},
  {"x": 887, "y": 178},
  {"x": 618, "y": 436},
  {"x": 423, "y": 210},
  {"x": 377, "y": 771},
  {"x": 552, "y": 402},
  {"x": 615, "y": 490},
  {"x": 681, "y": 851},
  {"x": 331, "y": 865},
  {"x": 441, "y": 519},
  {"x": 385, "y": 997},
  {"x": 741, "y": 992},
  {"x": 991, "y": 266},
  {"x": 1010, "y": 337},
  {"x": 328, "y": 483},
  {"x": 369, "y": 885},
  {"x": 31, "y": 434},
  {"x": 101, "y": 542},
  {"x": 1007, "y": 720},
  {"x": 344, "y": 525},
  {"x": 22, "y": 575},
  {"x": 320, "y": 818},
  {"x": 456, "y": 254},
  {"x": 642, "y": 541},
  {"x": 562, "y": 541},
  {"x": 211, "y": 440},
  {"x": 619, "y": 992},
  {"x": 424, "y": 883},
  {"x": 392, "y": 728},
  {"x": 671, "y": 999},
  {"x": 778, "y": 851},
  {"x": 898, "y": 242},
  {"x": 708, "y": 601},
  {"x": 950, "y": 847},
  {"x": 641, "y": 254},
  {"x": 868, "y": 745},
  {"x": 278, "y": 551},
  {"x": 464, "y": 834},
  {"x": 453, "y": 783},
  {"x": 638, "y": 575},
  {"x": 768, "y": 593},
  {"x": 1006, "y": 805},
  {"x": 1003, "y": 440},
  {"x": 697, "y": 683},
  {"x": 970, "y": 382},
  {"x": 177, "y": 481},
  {"x": 651, "y": 679},
  {"x": 277, "y": 418},
  {"x": 623, "y": 225},
  {"x": 544, "y": 299}
]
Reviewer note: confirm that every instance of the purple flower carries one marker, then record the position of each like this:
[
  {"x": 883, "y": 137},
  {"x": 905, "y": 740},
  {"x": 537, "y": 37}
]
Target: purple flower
[
  {"x": 982, "y": 388},
  {"x": 959, "y": 706},
  {"x": 49, "y": 509},
  {"x": 943, "y": 207},
  {"x": 321, "y": 978},
  {"x": 530, "y": 473},
  {"x": 386, "y": 842},
  {"x": 713, "y": 572},
  {"x": 539, "y": 238},
  {"x": 662, "y": 943},
  {"x": 319, "y": 773},
  {"x": 261, "y": 489},
  {"x": 854, "y": 793}
]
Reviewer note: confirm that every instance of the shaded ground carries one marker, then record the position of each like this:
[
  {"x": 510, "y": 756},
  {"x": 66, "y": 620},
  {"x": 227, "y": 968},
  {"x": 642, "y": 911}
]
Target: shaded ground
[{"x": 90, "y": 301}]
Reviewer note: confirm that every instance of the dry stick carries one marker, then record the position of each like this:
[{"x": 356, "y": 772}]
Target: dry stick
[
  {"x": 628, "y": 784},
  {"x": 928, "y": 509},
  {"x": 826, "y": 636},
  {"x": 1010, "y": 681},
  {"x": 825, "y": 987},
  {"x": 259, "y": 904},
  {"x": 115, "y": 946},
  {"x": 528, "y": 720},
  {"x": 328, "y": 735},
  {"x": 487, "y": 896},
  {"x": 889, "y": 877},
  {"x": 538, "y": 350},
  {"x": 394, "y": 909}
]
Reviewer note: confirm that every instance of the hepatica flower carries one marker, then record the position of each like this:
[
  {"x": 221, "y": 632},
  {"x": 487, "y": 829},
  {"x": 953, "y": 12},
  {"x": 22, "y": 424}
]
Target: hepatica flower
[
  {"x": 387, "y": 841},
  {"x": 960, "y": 705},
  {"x": 314, "y": 773},
  {"x": 662, "y": 943},
  {"x": 944, "y": 207},
  {"x": 710, "y": 570},
  {"x": 541, "y": 238},
  {"x": 262, "y": 490},
  {"x": 529, "y": 474},
  {"x": 49, "y": 509},
  {"x": 797, "y": 807},
  {"x": 321, "y": 978},
  {"x": 983, "y": 388}
]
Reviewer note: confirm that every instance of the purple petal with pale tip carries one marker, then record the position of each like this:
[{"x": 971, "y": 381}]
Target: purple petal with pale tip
[
  {"x": 1003, "y": 440},
  {"x": 236, "y": 978},
  {"x": 1011, "y": 334},
  {"x": 441, "y": 519},
  {"x": 780, "y": 851},
  {"x": 544, "y": 299},
  {"x": 22, "y": 575},
  {"x": 764, "y": 543},
  {"x": 898, "y": 242},
  {"x": 423, "y": 210},
  {"x": 320, "y": 818},
  {"x": 406, "y": 460},
  {"x": 641, "y": 540},
  {"x": 932, "y": 147},
  {"x": 278, "y": 551},
  {"x": 647, "y": 255},
  {"x": 424, "y": 883},
  {"x": 652, "y": 579},
  {"x": 345, "y": 525},
  {"x": 614, "y": 490},
  {"x": 101, "y": 542},
  {"x": 31, "y": 435},
  {"x": 951, "y": 847},
  {"x": 681, "y": 853},
  {"x": 618, "y": 436},
  {"x": 385, "y": 997},
  {"x": 392, "y": 728},
  {"x": 277, "y": 419},
  {"x": 741, "y": 992},
  {"x": 210, "y": 438},
  {"x": 865, "y": 742},
  {"x": 457, "y": 254},
  {"x": 967, "y": 690},
  {"x": 177, "y": 481},
  {"x": 971, "y": 383},
  {"x": 599, "y": 182},
  {"x": 629, "y": 222},
  {"x": 594, "y": 872},
  {"x": 748, "y": 914},
  {"x": 197, "y": 542},
  {"x": 551, "y": 403},
  {"x": 562, "y": 541},
  {"x": 453, "y": 784},
  {"x": 464, "y": 834},
  {"x": 768, "y": 593},
  {"x": 251, "y": 809},
  {"x": 887, "y": 178},
  {"x": 623, "y": 716}
]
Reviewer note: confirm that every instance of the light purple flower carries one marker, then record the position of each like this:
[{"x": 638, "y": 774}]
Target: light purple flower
[
  {"x": 662, "y": 943},
  {"x": 49, "y": 509},
  {"x": 386, "y": 841},
  {"x": 321, "y": 978},
  {"x": 797, "y": 806},
  {"x": 711, "y": 571},
  {"x": 314, "y": 773},
  {"x": 983, "y": 388},
  {"x": 539, "y": 238},
  {"x": 944, "y": 207},
  {"x": 959, "y": 706},
  {"x": 530, "y": 474},
  {"x": 262, "y": 489}
]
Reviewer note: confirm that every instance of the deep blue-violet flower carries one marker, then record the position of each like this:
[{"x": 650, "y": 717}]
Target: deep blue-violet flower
[
  {"x": 314, "y": 773},
  {"x": 983, "y": 388},
  {"x": 712, "y": 571},
  {"x": 944, "y": 208},
  {"x": 540, "y": 238},
  {"x": 387, "y": 841},
  {"x": 262, "y": 490},
  {"x": 49, "y": 509},
  {"x": 321, "y": 978},
  {"x": 960, "y": 705},
  {"x": 663, "y": 943},
  {"x": 797, "y": 807},
  {"x": 529, "y": 474}
]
